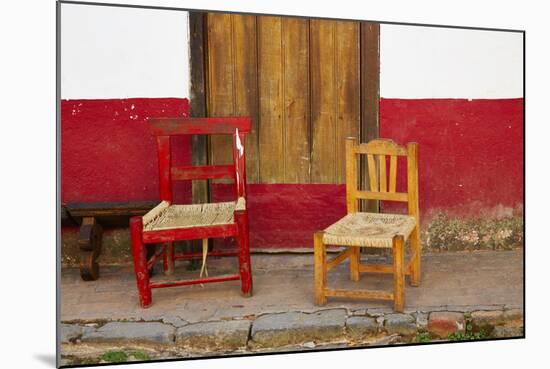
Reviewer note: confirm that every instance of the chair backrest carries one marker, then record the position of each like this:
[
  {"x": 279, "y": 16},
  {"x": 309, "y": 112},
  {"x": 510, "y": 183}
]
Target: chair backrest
[
  {"x": 380, "y": 188},
  {"x": 164, "y": 128}
]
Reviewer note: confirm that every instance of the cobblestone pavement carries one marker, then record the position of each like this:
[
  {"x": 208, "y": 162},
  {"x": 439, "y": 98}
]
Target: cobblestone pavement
[{"x": 285, "y": 283}]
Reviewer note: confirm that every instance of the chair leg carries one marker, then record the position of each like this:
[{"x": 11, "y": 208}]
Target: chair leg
[
  {"x": 354, "y": 263},
  {"x": 320, "y": 268},
  {"x": 241, "y": 218},
  {"x": 168, "y": 261},
  {"x": 416, "y": 248},
  {"x": 140, "y": 262},
  {"x": 398, "y": 273}
]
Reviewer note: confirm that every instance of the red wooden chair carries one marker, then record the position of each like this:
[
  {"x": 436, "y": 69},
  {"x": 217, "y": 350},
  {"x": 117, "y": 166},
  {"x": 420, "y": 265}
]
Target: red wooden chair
[{"x": 168, "y": 222}]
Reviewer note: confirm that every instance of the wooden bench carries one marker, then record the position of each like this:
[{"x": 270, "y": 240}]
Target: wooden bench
[{"x": 92, "y": 217}]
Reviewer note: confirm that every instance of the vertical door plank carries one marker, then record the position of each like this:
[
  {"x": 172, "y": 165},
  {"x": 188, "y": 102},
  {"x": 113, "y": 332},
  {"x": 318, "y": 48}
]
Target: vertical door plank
[
  {"x": 323, "y": 100},
  {"x": 232, "y": 65},
  {"x": 296, "y": 99},
  {"x": 221, "y": 99},
  {"x": 370, "y": 96},
  {"x": 348, "y": 90},
  {"x": 308, "y": 84},
  {"x": 271, "y": 71},
  {"x": 199, "y": 143},
  {"x": 246, "y": 86},
  {"x": 335, "y": 95}
]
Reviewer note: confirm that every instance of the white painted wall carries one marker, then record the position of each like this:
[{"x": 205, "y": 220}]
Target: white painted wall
[
  {"x": 433, "y": 62},
  {"x": 110, "y": 52}
]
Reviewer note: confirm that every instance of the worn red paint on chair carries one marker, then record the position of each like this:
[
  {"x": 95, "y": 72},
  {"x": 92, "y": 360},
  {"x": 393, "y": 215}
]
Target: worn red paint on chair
[{"x": 165, "y": 130}]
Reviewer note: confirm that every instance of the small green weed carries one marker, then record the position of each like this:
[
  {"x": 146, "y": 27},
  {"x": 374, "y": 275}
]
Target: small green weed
[
  {"x": 469, "y": 335},
  {"x": 140, "y": 355},
  {"x": 422, "y": 337},
  {"x": 115, "y": 357}
]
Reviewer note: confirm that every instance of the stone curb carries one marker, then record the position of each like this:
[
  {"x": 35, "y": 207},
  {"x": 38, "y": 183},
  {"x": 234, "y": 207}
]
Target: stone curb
[
  {"x": 226, "y": 335},
  {"x": 131, "y": 332},
  {"x": 281, "y": 331},
  {"x": 294, "y": 328}
]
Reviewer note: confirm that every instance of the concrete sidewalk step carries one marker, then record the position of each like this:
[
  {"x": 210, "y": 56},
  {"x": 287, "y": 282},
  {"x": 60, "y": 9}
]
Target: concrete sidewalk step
[{"x": 285, "y": 283}]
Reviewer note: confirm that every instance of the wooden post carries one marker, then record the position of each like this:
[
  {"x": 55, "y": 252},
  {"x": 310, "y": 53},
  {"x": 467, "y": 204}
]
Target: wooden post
[
  {"x": 164, "y": 162},
  {"x": 240, "y": 164},
  {"x": 416, "y": 249},
  {"x": 354, "y": 263},
  {"x": 370, "y": 97},
  {"x": 245, "y": 268},
  {"x": 140, "y": 262},
  {"x": 197, "y": 104},
  {"x": 414, "y": 210},
  {"x": 398, "y": 273},
  {"x": 351, "y": 200},
  {"x": 89, "y": 241},
  {"x": 199, "y": 143},
  {"x": 319, "y": 267},
  {"x": 168, "y": 258}
]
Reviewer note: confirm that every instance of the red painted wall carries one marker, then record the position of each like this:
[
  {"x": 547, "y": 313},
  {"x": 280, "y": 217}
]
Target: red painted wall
[
  {"x": 470, "y": 162},
  {"x": 108, "y": 154},
  {"x": 470, "y": 152},
  {"x": 286, "y": 215}
]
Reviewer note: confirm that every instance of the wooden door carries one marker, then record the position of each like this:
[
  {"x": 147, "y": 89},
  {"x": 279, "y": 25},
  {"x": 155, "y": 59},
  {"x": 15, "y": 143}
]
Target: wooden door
[{"x": 306, "y": 83}]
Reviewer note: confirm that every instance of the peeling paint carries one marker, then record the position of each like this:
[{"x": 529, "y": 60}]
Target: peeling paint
[{"x": 239, "y": 144}]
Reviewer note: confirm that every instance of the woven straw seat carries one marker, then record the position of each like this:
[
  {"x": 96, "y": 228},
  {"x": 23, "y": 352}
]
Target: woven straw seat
[
  {"x": 369, "y": 229},
  {"x": 166, "y": 216}
]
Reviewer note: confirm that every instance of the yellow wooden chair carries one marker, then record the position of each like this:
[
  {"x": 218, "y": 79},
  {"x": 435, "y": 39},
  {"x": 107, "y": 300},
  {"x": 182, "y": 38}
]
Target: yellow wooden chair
[{"x": 361, "y": 229}]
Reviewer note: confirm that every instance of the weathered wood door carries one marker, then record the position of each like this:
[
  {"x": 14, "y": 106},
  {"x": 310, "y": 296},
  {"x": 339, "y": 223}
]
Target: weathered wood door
[{"x": 307, "y": 84}]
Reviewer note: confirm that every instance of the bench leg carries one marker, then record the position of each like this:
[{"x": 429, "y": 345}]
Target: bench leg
[
  {"x": 354, "y": 263},
  {"x": 139, "y": 253},
  {"x": 245, "y": 269},
  {"x": 416, "y": 249},
  {"x": 398, "y": 273},
  {"x": 168, "y": 261},
  {"x": 320, "y": 268},
  {"x": 89, "y": 242}
]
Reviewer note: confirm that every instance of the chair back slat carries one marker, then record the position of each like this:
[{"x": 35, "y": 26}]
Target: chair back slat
[
  {"x": 393, "y": 173},
  {"x": 165, "y": 128},
  {"x": 199, "y": 126},
  {"x": 371, "y": 164},
  {"x": 351, "y": 177},
  {"x": 240, "y": 163},
  {"x": 165, "y": 162},
  {"x": 382, "y": 169},
  {"x": 377, "y": 151},
  {"x": 412, "y": 181},
  {"x": 381, "y": 147},
  {"x": 395, "y": 196},
  {"x": 197, "y": 172}
]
